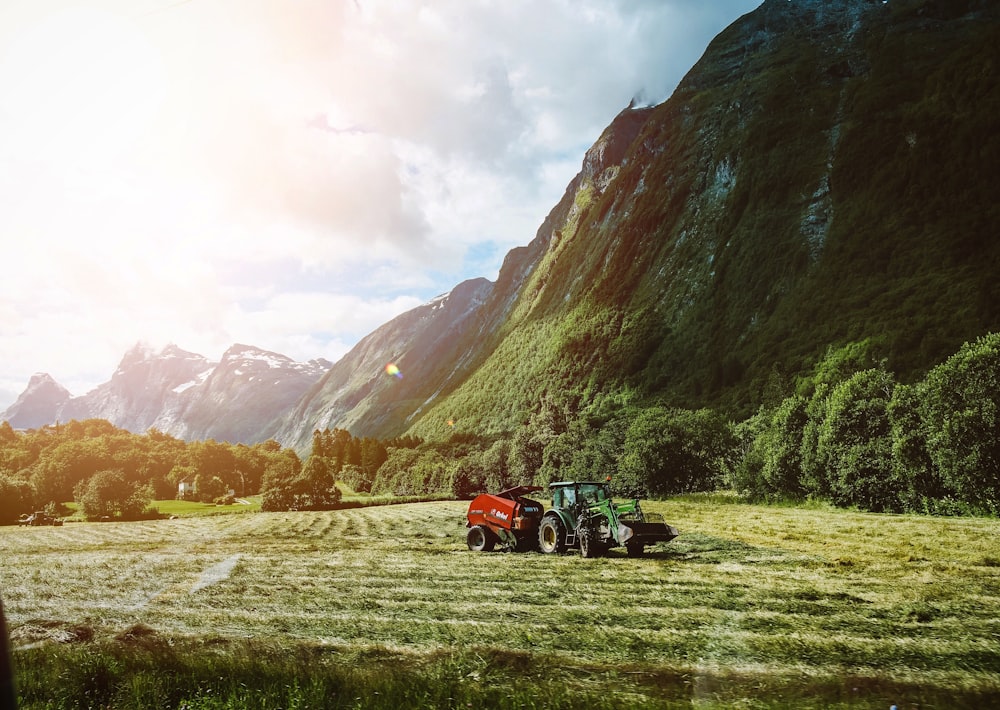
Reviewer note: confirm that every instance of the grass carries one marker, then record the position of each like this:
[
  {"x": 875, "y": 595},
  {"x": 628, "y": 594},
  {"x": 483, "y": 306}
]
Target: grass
[
  {"x": 190, "y": 507},
  {"x": 751, "y": 606}
]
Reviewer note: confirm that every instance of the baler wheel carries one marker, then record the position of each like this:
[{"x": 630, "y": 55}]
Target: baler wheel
[
  {"x": 551, "y": 535},
  {"x": 480, "y": 539}
]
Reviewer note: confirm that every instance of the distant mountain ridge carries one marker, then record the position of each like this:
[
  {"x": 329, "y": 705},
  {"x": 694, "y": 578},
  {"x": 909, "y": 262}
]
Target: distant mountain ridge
[{"x": 180, "y": 393}]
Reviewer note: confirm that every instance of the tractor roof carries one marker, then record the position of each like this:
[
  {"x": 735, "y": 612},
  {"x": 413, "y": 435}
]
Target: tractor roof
[{"x": 560, "y": 484}]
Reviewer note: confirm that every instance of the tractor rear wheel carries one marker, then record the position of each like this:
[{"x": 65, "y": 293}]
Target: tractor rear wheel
[
  {"x": 551, "y": 535},
  {"x": 480, "y": 539}
]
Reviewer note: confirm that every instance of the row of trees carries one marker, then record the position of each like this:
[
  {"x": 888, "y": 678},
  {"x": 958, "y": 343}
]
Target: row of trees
[
  {"x": 850, "y": 434},
  {"x": 862, "y": 439},
  {"x": 114, "y": 473}
]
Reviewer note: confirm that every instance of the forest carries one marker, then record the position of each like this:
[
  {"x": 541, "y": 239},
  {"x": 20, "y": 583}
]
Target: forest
[{"x": 849, "y": 434}]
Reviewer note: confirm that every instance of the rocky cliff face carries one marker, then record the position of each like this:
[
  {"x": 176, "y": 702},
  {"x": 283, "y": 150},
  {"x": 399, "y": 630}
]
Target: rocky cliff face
[
  {"x": 360, "y": 395},
  {"x": 241, "y": 398},
  {"x": 144, "y": 385}
]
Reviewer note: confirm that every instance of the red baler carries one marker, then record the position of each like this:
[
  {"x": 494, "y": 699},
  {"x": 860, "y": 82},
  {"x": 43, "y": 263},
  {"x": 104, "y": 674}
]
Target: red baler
[{"x": 507, "y": 517}]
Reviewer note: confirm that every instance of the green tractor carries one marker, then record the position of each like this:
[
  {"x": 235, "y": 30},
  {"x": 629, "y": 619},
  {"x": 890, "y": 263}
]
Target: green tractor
[{"x": 583, "y": 515}]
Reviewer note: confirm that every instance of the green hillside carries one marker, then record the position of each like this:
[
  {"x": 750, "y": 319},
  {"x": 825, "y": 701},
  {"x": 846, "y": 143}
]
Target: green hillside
[{"x": 821, "y": 177}]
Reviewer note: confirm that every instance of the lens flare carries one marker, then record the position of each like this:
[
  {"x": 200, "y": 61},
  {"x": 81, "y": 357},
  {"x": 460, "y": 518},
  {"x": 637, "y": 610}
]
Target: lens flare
[{"x": 392, "y": 370}]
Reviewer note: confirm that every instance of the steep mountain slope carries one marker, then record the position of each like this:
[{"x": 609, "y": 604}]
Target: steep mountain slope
[
  {"x": 357, "y": 392},
  {"x": 437, "y": 346},
  {"x": 825, "y": 174}
]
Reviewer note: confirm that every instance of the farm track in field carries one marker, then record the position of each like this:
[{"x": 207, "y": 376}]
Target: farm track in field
[{"x": 783, "y": 592}]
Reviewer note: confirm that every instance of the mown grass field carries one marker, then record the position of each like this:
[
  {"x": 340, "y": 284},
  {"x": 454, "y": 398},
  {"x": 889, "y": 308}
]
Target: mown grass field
[{"x": 384, "y": 607}]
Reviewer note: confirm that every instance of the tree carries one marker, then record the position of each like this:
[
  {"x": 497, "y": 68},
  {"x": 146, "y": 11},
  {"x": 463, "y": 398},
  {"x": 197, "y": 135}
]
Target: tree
[
  {"x": 525, "y": 456},
  {"x": 854, "y": 442},
  {"x": 15, "y": 499},
  {"x": 496, "y": 465},
  {"x": 814, "y": 473},
  {"x": 921, "y": 488},
  {"x": 316, "y": 488},
  {"x": 108, "y": 495},
  {"x": 60, "y": 468},
  {"x": 373, "y": 454},
  {"x": 960, "y": 405},
  {"x": 671, "y": 451},
  {"x": 208, "y": 488},
  {"x": 398, "y": 474},
  {"x": 278, "y": 488},
  {"x": 782, "y": 449},
  {"x": 214, "y": 459},
  {"x": 746, "y": 475}
]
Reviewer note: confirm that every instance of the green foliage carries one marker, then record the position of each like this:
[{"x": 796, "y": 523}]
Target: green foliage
[
  {"x": 290, "y": 485},
  {"x": 15, "y": 499},
  {"x": 56, "y": 464},
  {"x": 770, "y": 464},
  {"x": 671, "y": 451},
  {"x": 854, "y": 443},
  {"x": 869, "y": 442},
  {"x": 108, "y": 495},
  {"x": 920, "y": 485},
  {"x": 960, "y": 403},
  {"x": 278, "y": 490}
]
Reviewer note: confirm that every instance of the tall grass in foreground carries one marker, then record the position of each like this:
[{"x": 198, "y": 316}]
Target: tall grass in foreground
[{"x": 159, "y": 673}]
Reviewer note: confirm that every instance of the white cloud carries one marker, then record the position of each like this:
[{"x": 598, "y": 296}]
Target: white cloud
[{"x": 290, "y": 175}]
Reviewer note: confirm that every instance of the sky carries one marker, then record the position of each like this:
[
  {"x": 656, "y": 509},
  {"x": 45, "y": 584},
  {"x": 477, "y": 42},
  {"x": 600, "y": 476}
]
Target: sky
[{"x": 291, "y": 174}]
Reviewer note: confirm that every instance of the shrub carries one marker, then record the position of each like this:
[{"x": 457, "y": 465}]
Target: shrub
[
  {"x": 107, "y": 494},
  {"x": 745, "y": 476},
  {"x": 782, "y": 455},
  {"x": 854, "y": 443},
  {"x": 960, "y": 404},
  {"x": 920, "y": 485},
  {"x": 671, "y": 451}
]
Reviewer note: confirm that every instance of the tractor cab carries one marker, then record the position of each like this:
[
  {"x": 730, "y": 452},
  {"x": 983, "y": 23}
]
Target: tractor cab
[
  {"x": 583, "y": 515},
  {"x": 569, "y": 494}
]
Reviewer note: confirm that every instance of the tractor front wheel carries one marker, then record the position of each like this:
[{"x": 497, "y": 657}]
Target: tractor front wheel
[
  {"x": 480, "y": 539},
  {"x": 551, "y": 536},
  {"x": 589, "y": 547}
]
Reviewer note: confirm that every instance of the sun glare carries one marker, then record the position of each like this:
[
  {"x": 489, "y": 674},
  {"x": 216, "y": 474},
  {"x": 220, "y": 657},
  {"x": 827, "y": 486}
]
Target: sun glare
[{"x": 82, "y": 84}]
